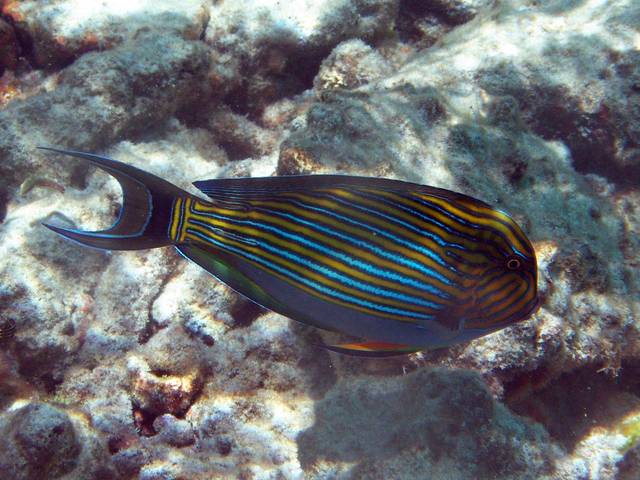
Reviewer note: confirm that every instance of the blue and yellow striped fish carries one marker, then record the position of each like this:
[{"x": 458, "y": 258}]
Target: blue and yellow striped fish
[{"x": 405, "y": 266}]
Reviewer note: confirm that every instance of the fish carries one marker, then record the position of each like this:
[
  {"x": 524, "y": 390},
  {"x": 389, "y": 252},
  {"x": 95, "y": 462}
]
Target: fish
[
  {"x": 401, "y": 266},
  {"x": 7, "y": 329}
]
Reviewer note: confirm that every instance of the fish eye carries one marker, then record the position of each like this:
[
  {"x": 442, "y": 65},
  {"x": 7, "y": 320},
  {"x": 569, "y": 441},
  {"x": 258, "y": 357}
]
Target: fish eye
[{"x": 513, "y": 263}]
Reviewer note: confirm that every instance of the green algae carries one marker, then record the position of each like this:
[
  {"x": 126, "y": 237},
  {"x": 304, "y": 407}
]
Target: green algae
[{"x": 630, "y": 428}]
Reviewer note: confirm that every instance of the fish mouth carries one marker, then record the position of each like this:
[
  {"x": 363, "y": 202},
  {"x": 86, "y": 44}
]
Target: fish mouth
[
  {"x": 484, "y": 323},
  {"x": 526, "y": 313}
]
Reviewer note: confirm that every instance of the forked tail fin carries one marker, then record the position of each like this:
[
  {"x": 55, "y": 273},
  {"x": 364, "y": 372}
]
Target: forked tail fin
[{"x": 145, "y": 213}]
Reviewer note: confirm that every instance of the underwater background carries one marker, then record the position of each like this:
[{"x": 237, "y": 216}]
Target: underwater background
[{"x": 139, "y": 365}]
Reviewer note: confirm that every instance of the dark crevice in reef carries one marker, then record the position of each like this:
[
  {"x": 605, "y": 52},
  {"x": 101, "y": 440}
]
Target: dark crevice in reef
[
  {"x": 244, "y": 312},
  {"x": 574, "y": 403},
  {"x": 143, "y": 420},
  {"x": 304, "y": 66},
  {"x": 414, "y": 25},
  {"x": 4, "y": 199},
  {"x": 10, "y": 58},
  {"x": 27, "y": 56},
  {"x": 446, "y": 12},
  {"x": 590, "y": 137},
  {"x": 149, "y": 330},
  {"x": 603, "y": 139},
  {"x": 283, "y": 72},
  {"x": 236, "y": 150},
  {"x": 79, "y": 177},
  {"x": 203, "y": 33},
  {"x": 423, "y": 22},
  {"x": 152, "y": 326}
]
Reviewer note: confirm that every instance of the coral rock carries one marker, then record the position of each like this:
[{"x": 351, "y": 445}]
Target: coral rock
[
  {"x": 351, "y": 64},
  {"x": 9, "y": 48},
  {"x": 155, "y": 394},
  {"x": 163, "y": 75},
  {"x": 174, "y": 431},
  {"x": 38, "y": 441},
  {"x": 62, "y": 29},
  {"x": 161, "y": 372}
]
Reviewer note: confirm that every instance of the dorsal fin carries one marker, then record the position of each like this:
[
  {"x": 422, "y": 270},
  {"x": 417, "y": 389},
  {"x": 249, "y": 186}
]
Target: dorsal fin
[{"x": 247, "y": 187}]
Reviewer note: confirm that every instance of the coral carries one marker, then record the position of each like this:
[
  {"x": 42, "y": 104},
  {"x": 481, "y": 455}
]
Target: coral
[
  {"x": 173, "y": 431},
  {"x": 296, "y": 161},
  {"x": 350, "y": 65},
  {"x": 159, "y": 393}
]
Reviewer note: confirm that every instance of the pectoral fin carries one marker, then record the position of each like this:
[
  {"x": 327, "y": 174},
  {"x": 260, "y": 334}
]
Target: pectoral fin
[
  {"x": 373, "y": 349},
  {"x": 220, "y": 266}
]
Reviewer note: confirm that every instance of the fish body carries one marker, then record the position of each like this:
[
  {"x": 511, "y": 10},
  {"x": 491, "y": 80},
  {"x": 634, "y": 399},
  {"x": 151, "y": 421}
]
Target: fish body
[{"x": 405, "y": 266}]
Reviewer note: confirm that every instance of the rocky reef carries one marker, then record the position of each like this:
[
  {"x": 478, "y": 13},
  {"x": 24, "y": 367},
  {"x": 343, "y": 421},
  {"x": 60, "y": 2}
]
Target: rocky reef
[{"x": 138, "y": 364}]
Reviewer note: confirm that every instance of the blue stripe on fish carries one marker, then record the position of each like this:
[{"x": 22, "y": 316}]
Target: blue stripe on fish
[
  {"x": 400, "y": 259},
  {"x": 436, "y": 238},
  {"x": 393, "y": 237},
  {"x": 298, "y": 278},
  {"x": 340, "y": 255},
  {"x": 330, "y": 273}
]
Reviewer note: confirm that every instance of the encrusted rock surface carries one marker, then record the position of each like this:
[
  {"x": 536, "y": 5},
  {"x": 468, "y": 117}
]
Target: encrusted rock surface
[
  {"x": 108, "y": 96},
  {"x": 39, "y": 440},
  {"x": 9, "y": 48},
  {"x": 140, "y": 365},
  {"x": 265, "y": 50},
  {"x": 61, "y": 30}
]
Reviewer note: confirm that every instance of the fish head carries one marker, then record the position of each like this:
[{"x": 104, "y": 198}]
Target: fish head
[{"x": 503, "y": 285}]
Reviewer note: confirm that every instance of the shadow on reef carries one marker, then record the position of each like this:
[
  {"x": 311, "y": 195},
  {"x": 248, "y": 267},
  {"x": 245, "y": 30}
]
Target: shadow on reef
[
  {"x": 42, "y": 48},
  {"x": 284, "y": 66},
  {"x": 604, "y": 138},
  {"x": 258, "y": 89},
  {"x": 442, "y": 417},
  {"x": 578, "y": 402}
]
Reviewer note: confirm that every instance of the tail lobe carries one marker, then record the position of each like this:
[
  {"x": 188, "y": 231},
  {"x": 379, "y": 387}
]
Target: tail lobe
[{"x": 145, "y": 213}]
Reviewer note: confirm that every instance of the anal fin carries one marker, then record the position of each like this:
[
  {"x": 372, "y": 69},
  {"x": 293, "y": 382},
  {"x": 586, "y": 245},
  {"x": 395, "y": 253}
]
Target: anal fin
[{"x": 373, "y": 349}]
